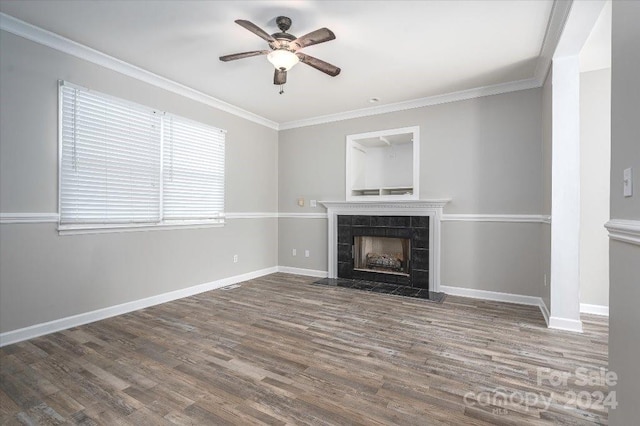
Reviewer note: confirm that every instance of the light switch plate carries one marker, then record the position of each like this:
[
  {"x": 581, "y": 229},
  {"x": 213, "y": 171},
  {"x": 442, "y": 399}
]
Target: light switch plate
[
  {"x": 627, "y": 182},
  {"x": 301, "y": 202},
  {"x": 313, "y": 203}
]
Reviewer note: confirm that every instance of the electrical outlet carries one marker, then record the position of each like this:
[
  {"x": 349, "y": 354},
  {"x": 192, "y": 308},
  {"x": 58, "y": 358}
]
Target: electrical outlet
[
  {"x": 306, "y": 253},
  {"x": 313, "y": 203},
  {"x": 235, "y": 258},
  {"x": 300, "y": 202},
  {"x": 294, "y": 252}
]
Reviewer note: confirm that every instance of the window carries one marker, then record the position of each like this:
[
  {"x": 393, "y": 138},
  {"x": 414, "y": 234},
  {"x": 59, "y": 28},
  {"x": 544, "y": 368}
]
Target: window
[{"x": 124, "y": 165}]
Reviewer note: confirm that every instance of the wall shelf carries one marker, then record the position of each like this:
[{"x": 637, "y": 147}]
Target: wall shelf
[
  {"x": 400, "y": 191},
  {"x": 383, "y": 165}
]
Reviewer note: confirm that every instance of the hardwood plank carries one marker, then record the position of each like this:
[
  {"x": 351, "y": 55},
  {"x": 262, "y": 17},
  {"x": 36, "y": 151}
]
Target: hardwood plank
[{"x": 279, "y": 350}]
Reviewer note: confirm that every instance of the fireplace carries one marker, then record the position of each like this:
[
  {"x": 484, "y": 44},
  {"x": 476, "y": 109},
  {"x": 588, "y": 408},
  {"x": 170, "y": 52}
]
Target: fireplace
[
  {"x": 383, "y": 255},
  {"x": 416, "y": 220},
  {"x": 388, "y": 249}
]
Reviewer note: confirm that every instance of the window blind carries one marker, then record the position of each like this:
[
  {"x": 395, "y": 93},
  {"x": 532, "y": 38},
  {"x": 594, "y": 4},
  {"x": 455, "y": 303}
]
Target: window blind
[
  {"x": 110, "y": 159},
  {"x": 121, "y": 163},
  {"x": 193, "y": 185}
]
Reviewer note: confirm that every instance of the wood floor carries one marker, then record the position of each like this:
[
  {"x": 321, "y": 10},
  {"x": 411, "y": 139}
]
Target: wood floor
[{"x": 279, "y": 350}]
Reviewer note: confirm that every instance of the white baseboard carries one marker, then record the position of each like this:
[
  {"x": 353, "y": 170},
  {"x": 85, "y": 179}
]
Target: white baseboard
[
  {"x": 301, "y": 271},
  {"x": 499, "y": 297},
  {"x": 491, "y": 295},
  {"x": 36, "y": 330},
  {"x": 545, "y": 311},
  {"x": 602, "y": 310},
  {"x": 565, "y": 324}
]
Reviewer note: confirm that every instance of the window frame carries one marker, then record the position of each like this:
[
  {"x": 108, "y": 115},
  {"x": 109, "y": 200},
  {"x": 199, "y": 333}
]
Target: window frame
[{"x": 162, "y": 224}]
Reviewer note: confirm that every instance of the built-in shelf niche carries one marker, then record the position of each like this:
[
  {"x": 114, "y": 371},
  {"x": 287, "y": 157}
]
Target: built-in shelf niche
[{"x": 383, "y": 165}]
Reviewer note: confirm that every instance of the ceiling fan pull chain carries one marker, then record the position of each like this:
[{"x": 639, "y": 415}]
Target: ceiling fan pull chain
[{"x": 281, "y": 89}]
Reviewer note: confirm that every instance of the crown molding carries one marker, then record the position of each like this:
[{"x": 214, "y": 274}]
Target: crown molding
[
  {"x": 47, "y": 38},
  {"x": 557, "y": 21},
  {"x": 462, "y": 95},
  {"x": 581, "y": 19}
]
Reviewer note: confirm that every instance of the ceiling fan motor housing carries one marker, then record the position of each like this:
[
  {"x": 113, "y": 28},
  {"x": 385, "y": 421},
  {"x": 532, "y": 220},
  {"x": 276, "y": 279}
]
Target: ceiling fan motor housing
[
  {"x": 282, "y": 38},
  {"x": 283, "y": 23}
]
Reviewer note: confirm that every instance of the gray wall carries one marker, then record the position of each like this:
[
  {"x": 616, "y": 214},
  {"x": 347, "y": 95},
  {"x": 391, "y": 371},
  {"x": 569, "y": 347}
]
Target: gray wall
[
  {"x": 502, "y": 257},
  {"x": 301, "y": 234},
  {"x": 595, "y": 159},
  {"x": 624, "y": 293},
  {"x": 485, "y": 154},
  {"x": 44, "y": 276}
]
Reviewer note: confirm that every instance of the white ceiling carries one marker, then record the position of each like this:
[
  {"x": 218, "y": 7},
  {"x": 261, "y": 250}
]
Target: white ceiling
[{"x": 392, "y": 50}]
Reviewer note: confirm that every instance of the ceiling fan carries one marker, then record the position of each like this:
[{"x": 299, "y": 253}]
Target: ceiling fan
[{"x": 285, "y": 49}]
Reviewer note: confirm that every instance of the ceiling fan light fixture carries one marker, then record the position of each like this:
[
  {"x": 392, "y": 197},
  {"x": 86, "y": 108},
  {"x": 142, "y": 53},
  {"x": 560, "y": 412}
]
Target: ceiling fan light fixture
[{"x": 283, "y": 59}]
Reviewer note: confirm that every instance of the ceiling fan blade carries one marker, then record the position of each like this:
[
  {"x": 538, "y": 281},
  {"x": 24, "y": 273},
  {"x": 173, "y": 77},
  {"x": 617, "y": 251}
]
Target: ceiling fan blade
[
  {"x": 235, "y": 56},
  {"x": 255, "y": 29},
  {"x": 319, "y": 64},
  {"x": 280, "y": 77},
  {"x": 314, "y": 37}
]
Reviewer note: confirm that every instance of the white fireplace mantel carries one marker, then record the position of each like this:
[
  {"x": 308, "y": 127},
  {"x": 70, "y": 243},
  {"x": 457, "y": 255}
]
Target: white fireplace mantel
[{"x": 431, "y": 208}]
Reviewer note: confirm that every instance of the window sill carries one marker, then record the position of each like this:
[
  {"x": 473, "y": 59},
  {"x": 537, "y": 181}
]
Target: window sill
[{"x": 131, "y": 227}]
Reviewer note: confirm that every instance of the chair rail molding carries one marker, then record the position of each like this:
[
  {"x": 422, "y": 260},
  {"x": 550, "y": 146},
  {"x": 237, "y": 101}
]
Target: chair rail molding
[
  {"x": 8, "y": 218},
  {"x": 516, "y": 218},
  {"x": 289, "y": 215},
  {"x": 251, "y": 215},
  {"x": 36, "y": 217},
  {"x": 625, "y": 230}
]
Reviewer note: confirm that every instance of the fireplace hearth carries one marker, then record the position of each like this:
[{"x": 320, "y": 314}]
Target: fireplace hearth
[{"x": 382, "y": 288}]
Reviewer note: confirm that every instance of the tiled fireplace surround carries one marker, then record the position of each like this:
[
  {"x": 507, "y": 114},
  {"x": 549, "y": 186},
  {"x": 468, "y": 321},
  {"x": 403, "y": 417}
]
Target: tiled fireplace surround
[
  {"x": 416, "y": 220},
  {"x": 413, "y": 228}
]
